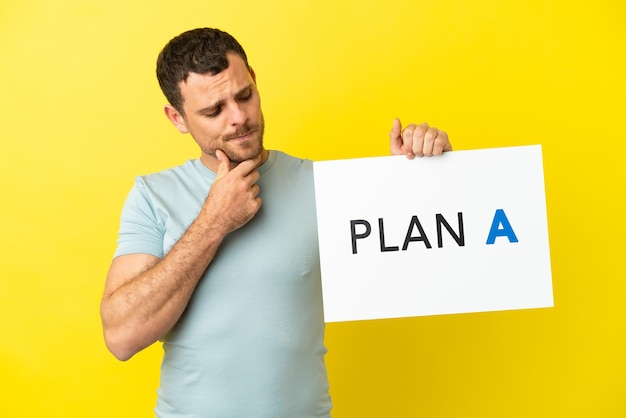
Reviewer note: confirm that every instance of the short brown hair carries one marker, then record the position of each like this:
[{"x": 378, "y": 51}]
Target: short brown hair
[{"x": 201, "y": 51}]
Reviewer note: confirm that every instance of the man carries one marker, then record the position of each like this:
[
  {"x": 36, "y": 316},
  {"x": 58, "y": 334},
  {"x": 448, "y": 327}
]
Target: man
[{"x": 218, "y": 257}]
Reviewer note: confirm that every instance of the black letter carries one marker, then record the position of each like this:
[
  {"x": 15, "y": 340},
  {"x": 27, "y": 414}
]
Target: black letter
[
  {"x": 368, "y": 229},
  {"x": 381, "y": 232},
  {"x": 422, "y": 237},
  {"x": 460, "y": 239}
]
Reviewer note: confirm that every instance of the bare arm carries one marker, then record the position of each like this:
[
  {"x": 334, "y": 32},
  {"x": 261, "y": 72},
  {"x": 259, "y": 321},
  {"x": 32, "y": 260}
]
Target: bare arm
[{"x": 144, "y": 296}]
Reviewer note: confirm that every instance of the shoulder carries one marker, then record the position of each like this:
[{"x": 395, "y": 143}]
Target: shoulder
[
  {"x": 286, "y": 162},
  {"x": 190, "y": 173},
  {"x": 286, "y": 173},
  {"x": 171, "y": 174}
]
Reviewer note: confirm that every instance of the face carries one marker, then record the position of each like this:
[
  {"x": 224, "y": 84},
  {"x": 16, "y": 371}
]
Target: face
[{"x": 222, "y": 111}]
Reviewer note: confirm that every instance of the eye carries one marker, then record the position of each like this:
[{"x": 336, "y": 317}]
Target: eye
[
  {"x": 215, "y": 112},
  {"x": 245, "y": 95}
]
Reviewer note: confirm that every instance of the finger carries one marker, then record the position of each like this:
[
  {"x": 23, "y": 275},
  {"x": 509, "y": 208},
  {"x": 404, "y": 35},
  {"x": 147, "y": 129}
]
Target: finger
[
  {"x": 417, "y": 142},
  {"x": 395, "y": 137},
  {"x": 256, "y": 189},
  {"x": 248, "y": 167},
  {"x": 254, "y": 195},
  {"x": 430, "y": 137},
  {"x": 442, "y": 144},
  {"x": 407, "y": 141},
  {"x": 223, "y": 166}
]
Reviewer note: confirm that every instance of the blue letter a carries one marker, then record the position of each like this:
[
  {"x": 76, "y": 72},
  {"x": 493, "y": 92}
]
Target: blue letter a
[{"x": 506, "y": 231}]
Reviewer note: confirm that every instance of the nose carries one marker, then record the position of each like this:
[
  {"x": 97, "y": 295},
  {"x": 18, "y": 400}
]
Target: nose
[{"x": 237, "y": 114}]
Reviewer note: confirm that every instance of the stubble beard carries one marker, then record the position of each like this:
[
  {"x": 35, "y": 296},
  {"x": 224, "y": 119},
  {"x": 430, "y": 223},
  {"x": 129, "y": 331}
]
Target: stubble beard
[{"x": 247, "y": 150}]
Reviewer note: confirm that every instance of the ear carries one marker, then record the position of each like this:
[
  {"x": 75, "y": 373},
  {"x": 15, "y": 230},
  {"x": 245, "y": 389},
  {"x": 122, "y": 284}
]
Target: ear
[
  {"x": 176, "y": 118},
  {"x": 252, "y": 74}
]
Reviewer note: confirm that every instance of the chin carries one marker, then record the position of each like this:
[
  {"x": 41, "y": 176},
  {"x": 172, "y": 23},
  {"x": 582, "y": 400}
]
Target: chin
[{"x": 243, "y": 155}]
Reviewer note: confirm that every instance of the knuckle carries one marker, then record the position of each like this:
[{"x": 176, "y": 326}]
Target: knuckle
[
  {"x": 431, "y": 134},
  {"x": 420, "y": 131}
]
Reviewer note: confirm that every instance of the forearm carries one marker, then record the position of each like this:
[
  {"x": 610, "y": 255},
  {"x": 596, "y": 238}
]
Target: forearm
[
  {"x": 144, "y": 296},
  {"x": 141, "y": 309}
]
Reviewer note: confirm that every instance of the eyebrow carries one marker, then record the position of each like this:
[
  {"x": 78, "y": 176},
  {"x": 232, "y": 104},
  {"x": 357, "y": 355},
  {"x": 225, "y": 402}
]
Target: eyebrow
[{"x": 212, "y": 107}]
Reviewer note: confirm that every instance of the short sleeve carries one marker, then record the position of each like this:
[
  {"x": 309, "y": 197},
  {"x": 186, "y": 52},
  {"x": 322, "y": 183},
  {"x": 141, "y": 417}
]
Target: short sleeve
[{"x": 141, "y": 231}]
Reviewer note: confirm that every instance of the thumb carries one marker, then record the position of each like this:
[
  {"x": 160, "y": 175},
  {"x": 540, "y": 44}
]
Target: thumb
[
  {"x": 395, "y": 137},
  {"x": 223, "y": 166}
]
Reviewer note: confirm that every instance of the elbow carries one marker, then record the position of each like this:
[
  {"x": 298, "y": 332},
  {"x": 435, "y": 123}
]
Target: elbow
[
  {"x": 119, "y": 346},
  {"x": 120, "y": 340},
  {"x": 121, "y": 354},
  {"x": 125, "y": 338}
]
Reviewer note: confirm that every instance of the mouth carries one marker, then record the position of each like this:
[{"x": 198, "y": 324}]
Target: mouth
[{"x": 241, "y": 136}]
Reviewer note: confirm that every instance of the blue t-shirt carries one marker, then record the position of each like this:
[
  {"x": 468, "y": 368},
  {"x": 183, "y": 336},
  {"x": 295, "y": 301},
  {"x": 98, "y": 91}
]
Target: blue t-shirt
[{"x": 250, "y": 342}]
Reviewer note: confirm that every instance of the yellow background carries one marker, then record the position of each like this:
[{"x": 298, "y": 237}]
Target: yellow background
[{"x": 82, "y": 115}]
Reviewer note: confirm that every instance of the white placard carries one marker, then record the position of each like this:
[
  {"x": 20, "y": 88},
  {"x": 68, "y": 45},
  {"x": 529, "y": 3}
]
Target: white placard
[{"x": 463, "y": 232}]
